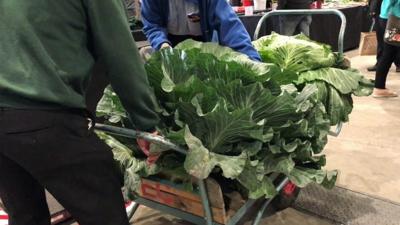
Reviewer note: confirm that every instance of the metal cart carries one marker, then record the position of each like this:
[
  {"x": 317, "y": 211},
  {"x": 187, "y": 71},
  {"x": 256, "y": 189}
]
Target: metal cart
[
  {"x": 249, "y": 204},
  {"x": 208, "y": 219}
]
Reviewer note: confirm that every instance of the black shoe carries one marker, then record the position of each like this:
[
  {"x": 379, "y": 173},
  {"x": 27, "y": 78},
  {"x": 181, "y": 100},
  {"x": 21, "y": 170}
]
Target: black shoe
[{"x": 372, "y": 68}]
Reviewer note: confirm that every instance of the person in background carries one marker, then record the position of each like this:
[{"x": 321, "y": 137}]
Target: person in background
[
  {"x": 295, "y": 24},
  {"x": 380, "y": 25},
  {"x": 389, "y": 7},
  {"x": 46, "y": 137},
  {"x": 167, "y": 23}
]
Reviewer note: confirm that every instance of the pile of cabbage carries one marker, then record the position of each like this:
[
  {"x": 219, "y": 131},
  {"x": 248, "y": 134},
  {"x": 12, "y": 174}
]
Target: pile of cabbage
[{"x": 241, "y": 120}]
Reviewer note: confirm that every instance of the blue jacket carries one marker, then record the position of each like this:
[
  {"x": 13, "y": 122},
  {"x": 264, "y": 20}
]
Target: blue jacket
[{"x": 216, "y": 15}]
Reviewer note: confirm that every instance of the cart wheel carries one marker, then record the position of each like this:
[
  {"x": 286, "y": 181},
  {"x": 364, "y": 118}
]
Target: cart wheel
[{"x": 286, "y": 197}]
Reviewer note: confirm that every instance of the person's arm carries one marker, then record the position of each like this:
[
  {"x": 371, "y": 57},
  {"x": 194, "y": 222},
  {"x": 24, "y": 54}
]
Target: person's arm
[
  {"x": 154, "y": 13},
  {"x": 114, "y": 45},
  {"x": 231, "y": 32},
  {"x": 373, "y": 5}
]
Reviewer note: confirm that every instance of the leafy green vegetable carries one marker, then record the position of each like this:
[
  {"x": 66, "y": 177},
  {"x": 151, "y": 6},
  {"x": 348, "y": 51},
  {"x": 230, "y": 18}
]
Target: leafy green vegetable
[
  {"x": 342, "y": 80},
  {"x": 200, "y": 161},
  {"x": 297, "y": 54},
  {"x": 257, "y": 185},
  {"x": 244, "y": 120},
  {"x": 110, "y": 107},
  {"x": 309, "y": 62},
  {"x": 131, "y": 167}
]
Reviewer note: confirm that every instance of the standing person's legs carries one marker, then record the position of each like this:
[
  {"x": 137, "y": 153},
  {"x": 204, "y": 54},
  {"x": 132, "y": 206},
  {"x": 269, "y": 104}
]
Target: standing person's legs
[
  {"x": 289, "y": 24},
  {"x": 397, "y": 61},
  {"x": 380, "y": 25},
  {"x": 69, "y": 161},
  {"x": 384, "y": 64},
  {"x": 304, "y": 26},
  {"x": 23, "y": 197}
]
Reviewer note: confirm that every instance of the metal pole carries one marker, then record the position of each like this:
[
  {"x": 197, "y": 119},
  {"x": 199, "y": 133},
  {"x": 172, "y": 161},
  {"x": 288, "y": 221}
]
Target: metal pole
[
  {"x": 337, "y": 131},
  {"x": 307, "y": 12},
  {"x": 205, "y": 201},
  {"x": 234, "y": 220},
  {"x": 137, "y": 134},
  {"x": 268, "y": 202}
]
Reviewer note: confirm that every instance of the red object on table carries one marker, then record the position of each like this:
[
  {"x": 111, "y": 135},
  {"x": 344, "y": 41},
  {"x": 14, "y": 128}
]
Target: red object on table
[
  {"x": 316, "y": 5},
  {"x": 248, "y": 3},
  {"x": 238, "y": 9}
]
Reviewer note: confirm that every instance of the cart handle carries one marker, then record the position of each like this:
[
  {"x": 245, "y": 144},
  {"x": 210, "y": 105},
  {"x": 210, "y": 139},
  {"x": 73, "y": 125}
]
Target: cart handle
[
  {"x": 307, "y": 12},
  {"x": 129, "y": 133},
  {"x": 311, "y": 12}
]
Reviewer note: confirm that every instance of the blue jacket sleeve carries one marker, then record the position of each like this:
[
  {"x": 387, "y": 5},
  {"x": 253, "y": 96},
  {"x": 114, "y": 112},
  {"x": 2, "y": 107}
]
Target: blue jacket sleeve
[
  {"x": 231, "y": 31},
  {"x": 154, "y": 18}
]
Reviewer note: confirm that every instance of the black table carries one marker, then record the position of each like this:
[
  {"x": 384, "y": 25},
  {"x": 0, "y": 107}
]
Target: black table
[{"x": 324, "y": 28}]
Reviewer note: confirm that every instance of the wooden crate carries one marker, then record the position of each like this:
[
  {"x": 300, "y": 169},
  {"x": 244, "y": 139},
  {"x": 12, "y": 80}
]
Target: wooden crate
[{"x": 190, "y": 202}]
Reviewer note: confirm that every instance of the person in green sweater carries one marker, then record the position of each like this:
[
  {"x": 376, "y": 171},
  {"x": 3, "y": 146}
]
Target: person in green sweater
[{"x": 47, "y": 51}]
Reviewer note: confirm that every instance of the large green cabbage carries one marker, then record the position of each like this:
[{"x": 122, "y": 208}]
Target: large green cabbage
[
  {"x": 235, "y": 119},
  {"x": 297, "y": 54},
  {"x": 310, "y": 62}
]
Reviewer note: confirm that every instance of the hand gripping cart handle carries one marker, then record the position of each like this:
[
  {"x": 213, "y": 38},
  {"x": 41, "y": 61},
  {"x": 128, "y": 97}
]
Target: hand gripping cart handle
[
  {"x": 208, "y": 219},
  {"x": 336, "y": 12}
]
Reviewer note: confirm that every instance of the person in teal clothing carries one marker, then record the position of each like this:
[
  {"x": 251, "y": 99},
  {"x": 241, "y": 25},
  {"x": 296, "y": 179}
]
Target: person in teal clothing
[{"x": 389, "y": 7}]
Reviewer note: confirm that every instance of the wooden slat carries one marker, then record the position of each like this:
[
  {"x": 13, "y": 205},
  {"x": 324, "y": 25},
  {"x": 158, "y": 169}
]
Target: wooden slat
[
  {"x": 166, "y": 188},
  {"x": 215, "y": 194},
  {"x": 182, "y": 203}
]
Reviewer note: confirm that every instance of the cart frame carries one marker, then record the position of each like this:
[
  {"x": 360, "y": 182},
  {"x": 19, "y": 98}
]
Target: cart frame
[{"x": 208, "y": 219}]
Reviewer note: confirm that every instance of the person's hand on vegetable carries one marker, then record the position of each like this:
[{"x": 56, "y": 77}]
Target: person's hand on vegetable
[
  {"x": 145, "y": 147},
  {"x": 165, "y": 45}
]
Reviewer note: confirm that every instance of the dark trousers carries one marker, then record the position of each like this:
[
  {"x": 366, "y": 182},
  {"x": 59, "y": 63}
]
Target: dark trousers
[
  {"x": 380, "y": 27},
  {"x": 56, "y": 151},
  {"x": 294, "y": 24},
  {"x": 389, "y": 55}
]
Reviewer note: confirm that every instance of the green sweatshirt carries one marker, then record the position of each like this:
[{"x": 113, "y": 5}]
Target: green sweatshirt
[{"x": 48, "y": 49}]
